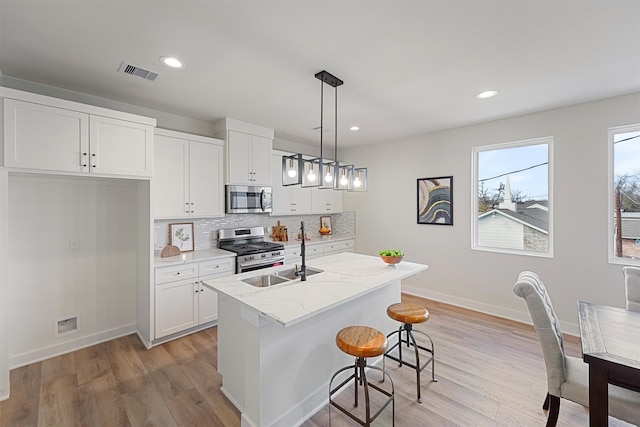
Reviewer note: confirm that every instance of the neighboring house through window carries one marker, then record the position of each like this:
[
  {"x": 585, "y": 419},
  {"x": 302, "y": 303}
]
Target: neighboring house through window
[
  {"x": 624, "y": 197},
  {"x": 512, "y": 205}
]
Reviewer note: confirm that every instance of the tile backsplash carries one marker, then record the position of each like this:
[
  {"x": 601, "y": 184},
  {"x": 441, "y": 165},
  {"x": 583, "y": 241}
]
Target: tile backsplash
[{"x": 205, "y": 229}]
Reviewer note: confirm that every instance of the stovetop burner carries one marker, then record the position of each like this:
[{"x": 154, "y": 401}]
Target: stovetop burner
[
  {"x": 245, "y": 241},
  {"x": 251, "y": 248}
]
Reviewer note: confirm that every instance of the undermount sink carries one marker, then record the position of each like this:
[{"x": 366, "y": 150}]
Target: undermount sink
[
  {"x": 291, "y": 273},
  {"x": 265, "y": 281},
  {"x": 278, "y": 277}
]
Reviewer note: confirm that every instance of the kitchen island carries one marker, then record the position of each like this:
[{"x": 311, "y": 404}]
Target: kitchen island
[{"x": 276, "y": 345}]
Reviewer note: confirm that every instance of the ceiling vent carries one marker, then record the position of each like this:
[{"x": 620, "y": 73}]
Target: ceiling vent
[{"x": 138, "y": 72}]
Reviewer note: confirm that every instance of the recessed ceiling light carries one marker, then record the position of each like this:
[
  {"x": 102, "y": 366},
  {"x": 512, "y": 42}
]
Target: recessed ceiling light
[
  {"x": 354, "y": 128},
  {"x": 487, "y": 94},
  {"x": 171, "y": 61}
]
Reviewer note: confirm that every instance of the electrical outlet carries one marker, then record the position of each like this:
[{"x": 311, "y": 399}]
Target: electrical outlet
[
  {"x": 419, "y": 276},
  {"x": 74, "y": 245}
]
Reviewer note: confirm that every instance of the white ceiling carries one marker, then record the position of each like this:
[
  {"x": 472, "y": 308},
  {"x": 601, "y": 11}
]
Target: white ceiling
[{"x": 409, "y": 67}]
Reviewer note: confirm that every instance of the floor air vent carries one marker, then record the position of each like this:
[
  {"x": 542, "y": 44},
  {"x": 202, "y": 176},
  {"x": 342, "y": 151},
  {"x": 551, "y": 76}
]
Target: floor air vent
[{"x": 138, "y": 72}]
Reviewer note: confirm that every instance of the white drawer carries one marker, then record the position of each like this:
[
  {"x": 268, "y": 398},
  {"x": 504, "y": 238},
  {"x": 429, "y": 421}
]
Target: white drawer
[
  {"x": 176, "y": 272},
  {"x": 217, "y": 266},
  {"x": 314, "y": 251},
  {"x": 341, "y": 246},
  {"x": 292, "y": 251}
]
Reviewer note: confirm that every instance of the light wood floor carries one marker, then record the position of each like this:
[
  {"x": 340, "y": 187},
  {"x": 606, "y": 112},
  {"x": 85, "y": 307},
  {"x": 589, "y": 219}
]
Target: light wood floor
[{"x": 490, "y": 373}]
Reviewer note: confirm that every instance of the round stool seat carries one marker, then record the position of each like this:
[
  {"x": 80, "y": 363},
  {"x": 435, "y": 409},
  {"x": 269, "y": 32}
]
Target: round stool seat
[
  {"x": 362, "y": 341},
  {"x": 407, "y": 312}
]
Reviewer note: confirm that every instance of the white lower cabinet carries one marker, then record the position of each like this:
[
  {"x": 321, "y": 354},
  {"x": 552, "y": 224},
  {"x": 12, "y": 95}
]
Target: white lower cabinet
[
  {"x": 176, "y": 306},
  {"x": 293, "y": 254},
  {"x": 181, "y": 300},
  {"x": 337, "y": 247}
]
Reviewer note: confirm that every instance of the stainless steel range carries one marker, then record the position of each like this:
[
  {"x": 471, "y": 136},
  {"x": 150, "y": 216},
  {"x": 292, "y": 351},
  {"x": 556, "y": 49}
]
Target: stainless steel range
[{"x": 253, "y": 253}]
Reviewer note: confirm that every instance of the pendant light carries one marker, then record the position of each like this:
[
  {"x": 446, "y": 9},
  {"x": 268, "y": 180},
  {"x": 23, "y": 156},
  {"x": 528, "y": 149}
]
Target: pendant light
[{"x": 319, "y": 172}]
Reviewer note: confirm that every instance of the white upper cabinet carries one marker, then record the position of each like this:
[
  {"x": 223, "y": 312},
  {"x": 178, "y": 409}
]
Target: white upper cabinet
[
  {"x": 188, "y": 176},
  {"x": 119, "y": 147},
  {"x": 326, "y": 201},
  {"x": 248, "y": 152},
  {"x": 42, "y": 137},
  {"x": 248, "y": 159},
  {"x": 287, "y": 200},
  {"x": 63, "y": 136}
]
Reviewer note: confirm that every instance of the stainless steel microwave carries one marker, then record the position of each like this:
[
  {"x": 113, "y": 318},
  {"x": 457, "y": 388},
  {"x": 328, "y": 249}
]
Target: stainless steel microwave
[{"x": 248, "y": 199}]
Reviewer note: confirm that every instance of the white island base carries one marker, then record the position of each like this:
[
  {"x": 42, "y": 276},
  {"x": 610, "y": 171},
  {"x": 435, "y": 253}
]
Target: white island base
[{"x": 276, "y": 346}]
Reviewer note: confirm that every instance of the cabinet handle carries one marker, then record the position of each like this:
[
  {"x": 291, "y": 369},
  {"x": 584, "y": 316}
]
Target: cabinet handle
[
  {"x": 93, "y": 156},
  {"x": 84, "y": 160},
  {"x": 178, "y": 273}
]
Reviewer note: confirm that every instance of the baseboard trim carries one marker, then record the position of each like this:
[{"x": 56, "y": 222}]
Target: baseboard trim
[
  {"x": 19, "y": 360},
  {"x": 493, "y": 310}
]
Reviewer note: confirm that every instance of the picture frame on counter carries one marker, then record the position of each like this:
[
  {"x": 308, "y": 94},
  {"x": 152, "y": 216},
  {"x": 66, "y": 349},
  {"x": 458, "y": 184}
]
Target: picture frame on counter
[
  {"x": 181, "y": 235},
  {"x": 435, "y": 200},
  {"x": 325, "y": 225}
]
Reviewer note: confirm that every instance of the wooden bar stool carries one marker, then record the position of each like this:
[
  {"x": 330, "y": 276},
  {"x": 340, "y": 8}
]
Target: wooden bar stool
[
  {"x": 410, "y": 314},
  {"x": 362, "y": 342}
]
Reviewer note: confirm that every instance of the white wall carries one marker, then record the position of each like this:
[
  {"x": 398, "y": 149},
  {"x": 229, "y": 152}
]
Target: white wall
[
  {"x": 386, "y": 214},
  {"x": 46, "y": 281}
]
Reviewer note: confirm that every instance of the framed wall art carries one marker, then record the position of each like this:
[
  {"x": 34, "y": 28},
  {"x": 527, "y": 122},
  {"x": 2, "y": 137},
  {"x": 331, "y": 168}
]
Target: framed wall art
[
  {"x": 181, "y": 235},
  {"x": 435, "y": 200}
]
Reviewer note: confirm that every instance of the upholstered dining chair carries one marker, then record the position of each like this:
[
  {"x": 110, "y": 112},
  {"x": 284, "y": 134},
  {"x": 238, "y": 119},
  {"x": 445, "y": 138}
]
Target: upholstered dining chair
[
  {"x": 567, "y": 377},
  {"x": 632, "y": 287}
]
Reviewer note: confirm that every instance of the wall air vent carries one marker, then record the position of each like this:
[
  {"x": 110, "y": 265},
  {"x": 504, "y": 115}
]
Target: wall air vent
[{"x": 138, "y": 72}]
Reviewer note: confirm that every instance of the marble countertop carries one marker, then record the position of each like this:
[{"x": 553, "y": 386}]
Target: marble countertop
[
  {"x": 195, "y": 256},
  {"x": 345, "y": 276}
]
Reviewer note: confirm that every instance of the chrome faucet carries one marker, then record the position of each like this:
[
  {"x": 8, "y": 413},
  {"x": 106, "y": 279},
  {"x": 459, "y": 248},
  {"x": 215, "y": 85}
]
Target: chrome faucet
[{"x": 303, "y": 268}]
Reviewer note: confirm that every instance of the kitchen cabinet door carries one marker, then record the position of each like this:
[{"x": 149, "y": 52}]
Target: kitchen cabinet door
[
  {"x": 206, "y": 190},
  {"x": 43, "y": 137},
  {"x": 239, "y": 158},
  {"x": 260, "y": 155},
  {"x": 120, "y": 147},
  {"x": 170, "y": 186},
  {"x": 46, "y": 136},
  {"x": 176, "y": 306},
  {"x": 326, "y": 201},
  {"x": 207, "y": 302},
  {"x": 291, "y": 199},
  {"x": 300, "y": 200},
  {"x": 187, "y": 180},
  {"x": 248, "y": 159}
]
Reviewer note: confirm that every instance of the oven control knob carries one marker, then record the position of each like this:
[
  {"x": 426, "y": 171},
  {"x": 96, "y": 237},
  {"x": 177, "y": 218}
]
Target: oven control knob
[{"x": 263, "y": 255}]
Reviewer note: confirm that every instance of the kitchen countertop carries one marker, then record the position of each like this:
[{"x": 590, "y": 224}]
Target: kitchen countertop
[
  {"x": 195, "y": 256},
  {"x": 345, "y": 276}
]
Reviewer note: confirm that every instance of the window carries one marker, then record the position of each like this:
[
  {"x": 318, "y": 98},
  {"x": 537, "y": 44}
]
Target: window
[
  {"x": 513, "y": 204},
  {"x": 624, "y": 197}
]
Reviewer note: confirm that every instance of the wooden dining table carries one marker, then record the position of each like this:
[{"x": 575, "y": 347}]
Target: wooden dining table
[{"x": 611, "y": 346}]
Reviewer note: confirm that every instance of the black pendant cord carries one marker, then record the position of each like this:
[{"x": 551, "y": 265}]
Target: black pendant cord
[
  {"x": 335, "y": 156},
  {"x": 321, "y": 119}
]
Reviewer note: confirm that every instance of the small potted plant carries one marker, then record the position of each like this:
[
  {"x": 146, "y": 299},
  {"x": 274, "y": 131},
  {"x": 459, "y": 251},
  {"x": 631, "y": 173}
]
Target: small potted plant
[{"x": 391, "y": 257}]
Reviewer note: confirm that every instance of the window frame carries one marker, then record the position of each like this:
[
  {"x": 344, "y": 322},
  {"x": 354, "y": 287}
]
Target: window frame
[
  {"x": 611, "y": 132},
  {"x": 549, "y": 140}
]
